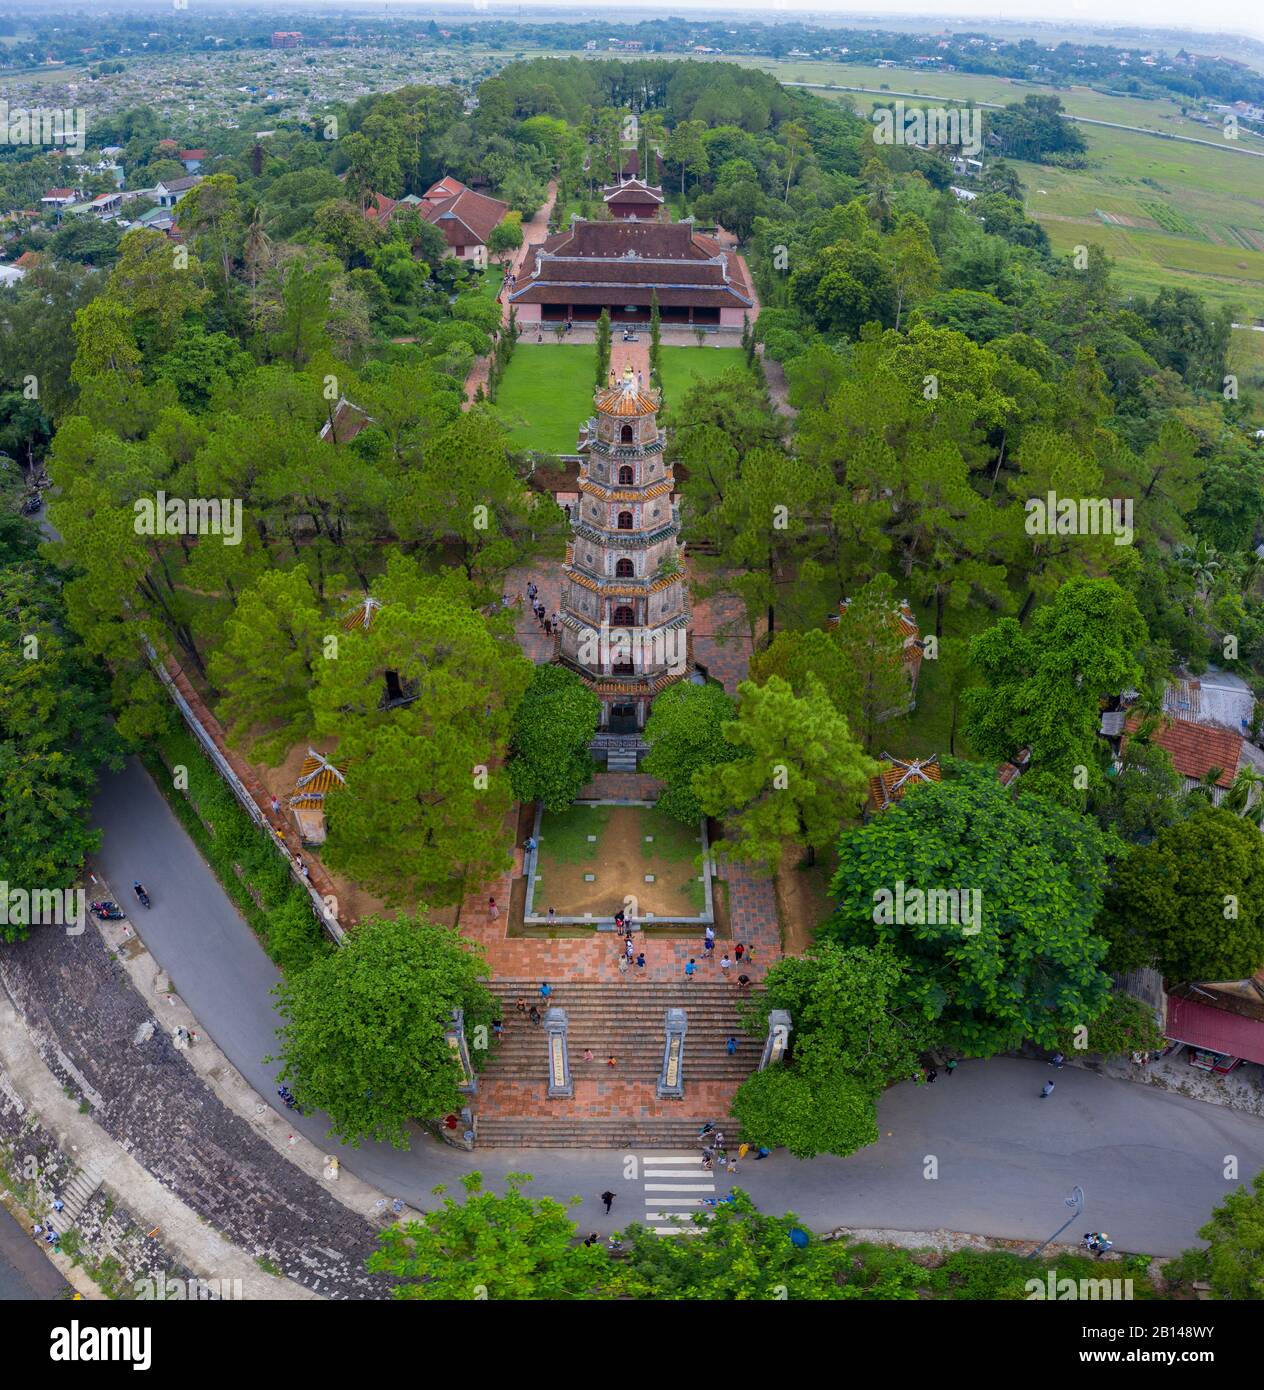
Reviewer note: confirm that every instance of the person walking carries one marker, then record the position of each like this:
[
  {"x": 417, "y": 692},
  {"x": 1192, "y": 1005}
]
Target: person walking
[
  {"x": 709, "y": 933},
  {"x": 545, "y": 990},
  {"x": 498, "y": 1028},
  {"x": 608, "y": 1198},
  {"x": 744, "y": 981},
  {"x": 738, "y": 952},
  {"x": 521, "y": 1005},
  {"x": 588, "y": 1054},
  {"x": 640, "y": 961},
  {"x": 534, "y": 1015},
  {"x": 552, "y": 915},
  {"x": 611, "y": 1062},
  {"x": 725, "y": 964},
  {"x": 690, "y": 968},
  {"x": 276, "y": 807},
  {"x": 742, "y": 1150},
  {"x": 730, "y": 1165},
  {"x": 623, "y": 965},
  {"x": 719, "y": 1140},
  {"x": 708, "y": 946},
  {"x": 950, "y": 1065},
  {"x": 731, "y": 1047},
  {"x": 1057, "y": 1061},
  {"x": 930, "y": 1076},
  {"x": 1046, "y": 1090},
  {"x": 628, "y": 948},
  {"x": 492, "y": 910}
]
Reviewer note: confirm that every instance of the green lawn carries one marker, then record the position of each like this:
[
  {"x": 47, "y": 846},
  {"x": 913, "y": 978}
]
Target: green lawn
[
  {"x": 546, "y": 394},
  {"x": 493, "y": 278},
  {"x": 681, "y": 367}
]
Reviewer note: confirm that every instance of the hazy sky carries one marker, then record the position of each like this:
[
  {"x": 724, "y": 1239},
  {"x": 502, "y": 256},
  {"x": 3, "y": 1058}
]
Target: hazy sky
[{"x": 1240, "y": 16}]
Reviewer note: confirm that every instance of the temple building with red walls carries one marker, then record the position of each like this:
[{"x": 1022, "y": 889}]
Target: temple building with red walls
[{"x": 622, "y": 266}]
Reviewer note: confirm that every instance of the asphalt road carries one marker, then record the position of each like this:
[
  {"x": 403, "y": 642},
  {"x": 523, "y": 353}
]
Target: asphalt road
[
  {"x": 26, "y": 1273},
  {"x": 978, "y": 1151}
]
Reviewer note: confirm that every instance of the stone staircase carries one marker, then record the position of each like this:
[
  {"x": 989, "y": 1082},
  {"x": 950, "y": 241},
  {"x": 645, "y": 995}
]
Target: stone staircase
[
  {"x": 614, "y": 1107},
  {"x": 563, "y": 1132},
  {"x": 79, "y": 1191}
]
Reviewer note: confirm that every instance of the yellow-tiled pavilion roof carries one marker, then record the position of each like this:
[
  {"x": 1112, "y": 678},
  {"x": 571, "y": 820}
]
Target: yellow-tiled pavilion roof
[
  {"x": 361, "y": 616},
  {"x": 316, "y": 777}
]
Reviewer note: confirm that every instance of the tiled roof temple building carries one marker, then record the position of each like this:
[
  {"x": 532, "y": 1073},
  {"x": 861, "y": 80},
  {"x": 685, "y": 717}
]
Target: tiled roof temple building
[
  {"x": 622, "y": 266},
  {"x": 625, "y": 606}
]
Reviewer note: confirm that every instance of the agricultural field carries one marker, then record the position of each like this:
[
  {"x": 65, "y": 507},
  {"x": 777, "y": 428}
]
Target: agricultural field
[
  {"x": 1167, "y": 213},
  {"x": 1246, "y": 361},
  {"x": 1156, "y": 113}
]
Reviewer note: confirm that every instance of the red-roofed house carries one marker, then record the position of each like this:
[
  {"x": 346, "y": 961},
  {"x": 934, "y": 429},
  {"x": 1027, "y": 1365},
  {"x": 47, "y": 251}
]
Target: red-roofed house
[
  {"x": 380, "y": 209},
  {"x": 466, "y": 219},
  {"x": 1220, "y": 1031},
  {"x": 60, "y": 198},
  {"x": 192, "y": 159},
  {"x": 1197, "y": 749}
]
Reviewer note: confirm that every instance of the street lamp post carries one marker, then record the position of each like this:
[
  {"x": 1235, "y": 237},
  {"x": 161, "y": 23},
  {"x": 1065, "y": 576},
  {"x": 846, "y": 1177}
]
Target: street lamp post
[{"x": 1076, "y": 1202}]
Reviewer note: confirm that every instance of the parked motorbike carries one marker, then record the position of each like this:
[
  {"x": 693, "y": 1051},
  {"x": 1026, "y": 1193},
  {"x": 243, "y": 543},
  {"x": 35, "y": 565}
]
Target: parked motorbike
[
  {"x": 108, "y": 911},
  {"x": 139, "y": 889},
  {"x": 288, "y": 1097}
]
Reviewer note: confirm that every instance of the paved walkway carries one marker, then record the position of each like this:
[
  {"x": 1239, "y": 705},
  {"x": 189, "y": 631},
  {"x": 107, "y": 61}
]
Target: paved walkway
[{"x": 1151, "y": 1163}]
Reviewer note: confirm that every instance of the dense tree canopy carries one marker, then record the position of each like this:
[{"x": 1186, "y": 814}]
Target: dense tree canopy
[
  {"x": 362, "y": 1037},
  {"x": 998, "y": 944}
]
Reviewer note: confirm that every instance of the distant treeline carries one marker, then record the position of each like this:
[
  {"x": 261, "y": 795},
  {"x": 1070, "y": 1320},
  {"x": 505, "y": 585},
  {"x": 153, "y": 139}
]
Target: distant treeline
[{"x": 78, "y": 37}]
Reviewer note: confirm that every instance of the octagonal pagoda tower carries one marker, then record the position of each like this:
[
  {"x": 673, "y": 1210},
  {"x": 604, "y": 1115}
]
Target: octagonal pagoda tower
[{"x": 625, "y": 625}]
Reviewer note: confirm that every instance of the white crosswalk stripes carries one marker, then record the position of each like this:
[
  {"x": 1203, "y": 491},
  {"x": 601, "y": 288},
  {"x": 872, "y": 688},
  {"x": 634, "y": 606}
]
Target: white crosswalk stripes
[{"x": 674, "y": 1174}]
